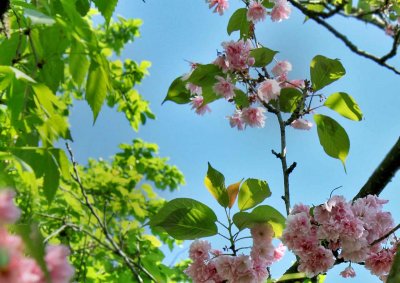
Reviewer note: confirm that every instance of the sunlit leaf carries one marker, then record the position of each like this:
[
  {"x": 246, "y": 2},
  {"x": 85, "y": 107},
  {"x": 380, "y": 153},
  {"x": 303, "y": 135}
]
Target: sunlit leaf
[
  {"x": 252, "y": 192},
  {"x": 345, "y": 105}
]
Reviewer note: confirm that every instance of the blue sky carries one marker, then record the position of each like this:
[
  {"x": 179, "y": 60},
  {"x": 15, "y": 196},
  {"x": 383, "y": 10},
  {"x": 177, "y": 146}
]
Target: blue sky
[{"x": 179, "y": 30}]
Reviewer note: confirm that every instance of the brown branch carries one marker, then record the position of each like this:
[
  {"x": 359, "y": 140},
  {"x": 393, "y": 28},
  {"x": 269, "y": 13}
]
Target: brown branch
[
  {"x": 383, "y": 174},
  {"x": 386, "y": 235},
  {"x": 314, "y": 16}
]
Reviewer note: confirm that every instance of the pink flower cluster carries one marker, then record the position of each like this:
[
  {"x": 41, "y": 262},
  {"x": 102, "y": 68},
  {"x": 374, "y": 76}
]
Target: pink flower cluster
[
  {"x": 16, "y": 267},
  {"x": 340, "y": 230},
  {"x": 256, "y": 11},
  {"x": 237, "y": 56},
  {"x": 219, "y": 5},
  {"x": 235, "y": 269}
]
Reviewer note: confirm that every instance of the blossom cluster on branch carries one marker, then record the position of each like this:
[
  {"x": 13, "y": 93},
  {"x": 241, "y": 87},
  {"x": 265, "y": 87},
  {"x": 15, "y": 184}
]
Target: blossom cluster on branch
[
  {"x": 214, "y": 266},
  {"x": 15, "y": 266},
  {"x": 341, "y": 231}
]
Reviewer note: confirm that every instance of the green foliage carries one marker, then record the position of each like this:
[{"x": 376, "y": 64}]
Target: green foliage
[
  {"x": 177, "y": 92},
  {"x": 215, "y": 183},
  {"x": 262, "y": 56},
  {"x": 261, "y": 214},
  {"x": 253, "y": 192},
  {"x": 205, "y": 76},
  {"x": 325, "y": 71},
  {"x": 332, "y": 137},
  {"x": 55, "y": 56},
  {"x": 289, "y": 99},
  {"x": 239, "y": 22},
  {"x": 345, "y": 105},
  {"x": 186, "y": 219}
]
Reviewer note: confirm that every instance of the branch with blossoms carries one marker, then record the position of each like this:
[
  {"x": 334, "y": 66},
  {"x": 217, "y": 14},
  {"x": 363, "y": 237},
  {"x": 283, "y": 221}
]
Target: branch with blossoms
[{"x": 383, "y": 15}]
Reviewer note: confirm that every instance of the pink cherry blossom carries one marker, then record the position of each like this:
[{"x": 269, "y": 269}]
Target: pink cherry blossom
[
  {"x": 199, "y": 250},
  {"x": 268, "y": 90},
  {"x": 316, "y": 262},
  {"x": 348, "y": 272},
  {"x": 262, "y": 233},
  {"x": 9, "y": 213},
  {"x": 380, "y": 263},
  {"x": 238, "y": 55},
  {"x": 236, "y": 120},
  {"x": 260, "y": 269},
  {"x": 194, "y": 89},
  {"x": 57, "y": 263},
  {"x": 279, "y": 252},
  {"x": 301, "y": 124},
  {"x": 281, "y": 68},
  {"x": 281, "y": 11},
  {"x": 224, "y": 87},
  {"x": 226, "y": 267},
  {"x": 222, "y": 63},
  {"x": 256, "y": 12},
  {"x": 219, "y": 5},
  {"x": 254, "y": 117},
  {"x": 197, "y": 105}
]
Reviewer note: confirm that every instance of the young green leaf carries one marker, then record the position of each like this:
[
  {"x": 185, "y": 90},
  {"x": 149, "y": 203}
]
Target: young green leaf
[
  {"x": 325, "y": 71},
  {"x": 262, "y": 56},
  {"x": 239, "y": 22},
  {"x": 252, "y": 192},
  {"x": 241, "y": 99},
  {"x": 186, "y": 219},
  {"x": 345, "y": 105},
  {"x": 177, "y": 92},
  {"x": 215, "y": 183},
  {"x": 289, "y": 99},
  {"x": 261, "y": 214},
  {"x": 204, "y": 75},
  {"x": 38, "y": 18},
  {"x": 106, "y": 8},
  {"x": 96, "y": 88},
  {"x": 332, "y": 137}
]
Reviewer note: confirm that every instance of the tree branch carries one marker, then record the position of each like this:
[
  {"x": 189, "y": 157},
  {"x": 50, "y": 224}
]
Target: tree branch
[
  {"x": 383, "y": 174},
  {"x": 314, "y": 16}
]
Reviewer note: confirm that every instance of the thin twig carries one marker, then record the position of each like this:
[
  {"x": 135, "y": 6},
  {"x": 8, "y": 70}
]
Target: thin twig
[
  {"x": 117, "y": 249},
  {"x": 386, "y": 235}
]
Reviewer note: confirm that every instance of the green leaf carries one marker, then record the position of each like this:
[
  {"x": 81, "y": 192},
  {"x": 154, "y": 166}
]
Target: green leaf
[
  {"x": 252, "y": 192},
  {"x": 267, "y": 4},
  {"x": 38, "y": 18},
  {"x": 215, "y": 183},
  {"x": 19, "y": 75},
  {"x": 51, "y": 178},
  {"x": 82, "y": 6},
  {"x": 325, "y": 71},
  {"x": 186, "y": 219},
  {"x": 261, "y": 214},
  {"x": 345, "y": 105},
  {"x": 177, "y": 92},
  {"x": 204, "y": 75},
  {"x": 332, "y": 137},
  {"x": 238, "y": 22},
  {"x": 289, "y": 99},
  {"x": 394, "y": 274},
  {"x": 78, "y": 62},
  {"x": 96, "y": 88},
  {"x": 262, "y": 56},
  {"x": 106, "y": 8},
  {"x": 241, "y": 99}
]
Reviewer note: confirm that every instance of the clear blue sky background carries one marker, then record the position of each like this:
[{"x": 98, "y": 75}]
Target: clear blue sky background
[{"x": 179, "y": 30}]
